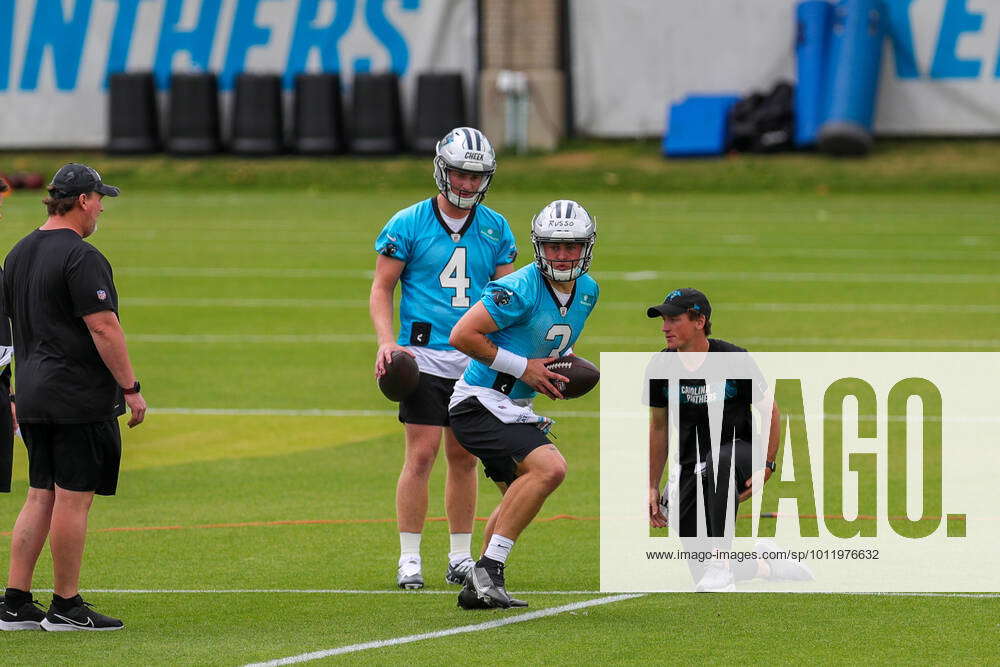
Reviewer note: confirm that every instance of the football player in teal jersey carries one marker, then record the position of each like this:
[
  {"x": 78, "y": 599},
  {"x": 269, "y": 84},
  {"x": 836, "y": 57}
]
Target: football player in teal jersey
[
  {"x": 442, "y": 250},
  {"x": 522, "y": 321}
]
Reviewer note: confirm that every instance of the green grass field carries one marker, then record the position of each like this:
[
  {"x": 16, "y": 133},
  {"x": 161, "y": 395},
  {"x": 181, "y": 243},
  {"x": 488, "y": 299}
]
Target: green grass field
[{"x": 245, "y": 307}]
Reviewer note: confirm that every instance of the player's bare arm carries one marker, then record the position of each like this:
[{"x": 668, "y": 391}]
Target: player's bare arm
[
  {"x": 387, "y": 272},
  {"x": 469, "y": 336},
  {"x": 658, "y": 449},
  {"x": 502, "y": 270},
  {"x": 109, "y": 339},
  {"x": 773, "y": 440}
]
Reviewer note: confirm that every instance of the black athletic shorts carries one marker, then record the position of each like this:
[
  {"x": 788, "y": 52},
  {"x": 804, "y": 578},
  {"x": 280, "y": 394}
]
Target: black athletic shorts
[
  {"x": 429, "y": 403},
  {"x": 75, "y": 457},
  {"x": 498, "y": 445},
  {"x": 715, "y": 505}
]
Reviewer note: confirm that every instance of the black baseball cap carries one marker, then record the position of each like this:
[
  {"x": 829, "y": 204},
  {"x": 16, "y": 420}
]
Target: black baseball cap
[
  {"x": 681, "y": 301},
  {"x": 78, "y": 179}
]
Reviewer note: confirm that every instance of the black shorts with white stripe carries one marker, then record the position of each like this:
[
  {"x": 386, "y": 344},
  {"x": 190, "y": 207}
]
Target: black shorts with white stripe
[{"x": 498, "y": 445}]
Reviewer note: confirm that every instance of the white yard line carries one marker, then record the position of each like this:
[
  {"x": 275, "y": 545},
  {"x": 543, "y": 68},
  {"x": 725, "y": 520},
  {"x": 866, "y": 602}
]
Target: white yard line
[
  {"x": 303, "y": 591},
  {"x": 799, "y": 277},
  {"x": 575, "y": 414},
  {"x": 395, "y": 591},
  {"x": 638, "y": 306},
  {"x": 902, "y": 344},
  {"x": 335, "y": 338},
  {"x": 627, "y": 276},
  {"x": 266, "y": 339},
  {"x": 271, "y": 412},
  {"x": 817, "y": 307},
  {"x": 448, "y": 632},
  {"x": 193, "y": 302}
]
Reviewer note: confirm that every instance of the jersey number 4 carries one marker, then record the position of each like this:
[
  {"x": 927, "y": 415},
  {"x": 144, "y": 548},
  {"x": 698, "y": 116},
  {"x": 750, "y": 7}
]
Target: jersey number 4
[{"x": 454, "y": 276}]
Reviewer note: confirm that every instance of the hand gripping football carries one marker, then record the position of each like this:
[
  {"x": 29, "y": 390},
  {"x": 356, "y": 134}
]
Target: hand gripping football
[
  {"x": 400, "y": 378},
  {"x": 583, "y": 375}
]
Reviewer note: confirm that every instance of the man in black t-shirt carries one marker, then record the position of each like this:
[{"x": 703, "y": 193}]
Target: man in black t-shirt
[
  {"x": 702, "y": 385},
  {"x": 73, "y": 379},
  {"x": 687, "y": 324}
]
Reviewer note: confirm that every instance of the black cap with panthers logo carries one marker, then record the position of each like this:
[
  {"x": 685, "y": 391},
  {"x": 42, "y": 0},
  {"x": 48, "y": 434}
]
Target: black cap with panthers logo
[
  {"x": 78, "y": 179},
  {"x": 681, "y": 301}
]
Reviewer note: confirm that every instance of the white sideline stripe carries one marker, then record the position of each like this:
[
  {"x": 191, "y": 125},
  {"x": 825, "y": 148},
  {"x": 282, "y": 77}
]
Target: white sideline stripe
[
  {"x": 350, "y": 591},
  {"x": 272, "y": 412},
  {"x": 960, "y": 343},
  {"x": 437, "y": 634},
  {"x": 628, "y": 276}
]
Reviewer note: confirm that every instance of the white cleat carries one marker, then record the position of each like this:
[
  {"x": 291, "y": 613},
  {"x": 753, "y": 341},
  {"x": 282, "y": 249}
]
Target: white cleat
[{"x": 409, "y": 576}]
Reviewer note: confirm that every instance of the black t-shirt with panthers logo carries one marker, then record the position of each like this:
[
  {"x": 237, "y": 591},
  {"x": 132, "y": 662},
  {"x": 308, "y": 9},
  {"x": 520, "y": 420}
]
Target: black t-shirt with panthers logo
[
  {"x": 694, "y": 397},
  {"x": 51, "y": 280}
]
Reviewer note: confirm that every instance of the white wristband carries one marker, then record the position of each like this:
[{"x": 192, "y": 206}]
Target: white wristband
[{"x": 509, "y": 363}]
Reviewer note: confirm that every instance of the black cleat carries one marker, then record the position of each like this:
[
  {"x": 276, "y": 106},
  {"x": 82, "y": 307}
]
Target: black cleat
[
  {"x": 79, "y": 617},
  {"x": 467, "y": 599},
  {"x": 487, "y": 582},
  {"x": 25, "y": 617}
]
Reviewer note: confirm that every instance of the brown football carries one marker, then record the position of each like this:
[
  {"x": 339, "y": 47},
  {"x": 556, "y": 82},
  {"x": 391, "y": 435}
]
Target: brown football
[
  {"x": 400, "y": 378},
  {"x": 583, "y": 375}
]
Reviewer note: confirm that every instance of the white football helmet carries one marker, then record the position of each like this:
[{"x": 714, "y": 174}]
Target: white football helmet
[
  {"x": 464, "y": 149},
  {"x": 564, "y": 221}
]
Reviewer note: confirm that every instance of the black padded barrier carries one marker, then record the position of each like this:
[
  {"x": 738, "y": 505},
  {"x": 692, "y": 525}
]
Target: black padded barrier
[
  {"x": 318, "y": 127},
  {"x": 193, "y": 117},
  {"x": 133, "y": 118},
  {"x": 258, "y": 126},
  {"x": 377, "y": 125},
  {"x": 440, "y": 106}
]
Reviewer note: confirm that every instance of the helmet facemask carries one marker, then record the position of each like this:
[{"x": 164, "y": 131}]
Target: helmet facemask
[
  {"x": 441, "y": 177},
  {"x": 464, "y": 149},
  {"x": 563, "y": 221}
]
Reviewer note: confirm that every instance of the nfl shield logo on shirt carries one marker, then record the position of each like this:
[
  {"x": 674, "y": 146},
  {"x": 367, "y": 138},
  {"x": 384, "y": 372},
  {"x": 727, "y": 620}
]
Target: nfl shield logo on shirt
[{"x": 101, "y": 295}]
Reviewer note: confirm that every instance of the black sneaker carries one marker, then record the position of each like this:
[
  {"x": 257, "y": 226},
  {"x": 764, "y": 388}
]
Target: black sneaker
[
  {"x": 25, "y": 617},
  {"x": 487, "y": 582},
  {"x": 79, "y": 617},
  {"x": 467, "y": 599}
]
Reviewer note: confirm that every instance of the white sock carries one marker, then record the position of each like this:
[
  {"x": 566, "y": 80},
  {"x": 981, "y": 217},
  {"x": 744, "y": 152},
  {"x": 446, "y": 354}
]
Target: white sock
[
  {"x": 499, "y": 548},
  {"x": 461, "y": 547},
  {"x": 409, "y": 546}
]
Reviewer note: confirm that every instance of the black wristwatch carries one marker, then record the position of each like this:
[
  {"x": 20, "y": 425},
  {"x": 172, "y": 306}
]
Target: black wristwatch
[
  {"x": 134, "y": 389},
  {"x": 770, "y": 465}
]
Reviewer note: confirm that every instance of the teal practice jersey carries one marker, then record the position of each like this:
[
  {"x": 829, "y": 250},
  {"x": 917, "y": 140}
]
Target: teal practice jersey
[
  {"x": 444, "y": 271},
  {"x": 532, "y": 323}
]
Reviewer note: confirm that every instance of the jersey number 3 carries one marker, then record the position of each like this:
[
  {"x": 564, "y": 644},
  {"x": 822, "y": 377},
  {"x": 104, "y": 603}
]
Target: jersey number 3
[{"x": 454, "y": 276}]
